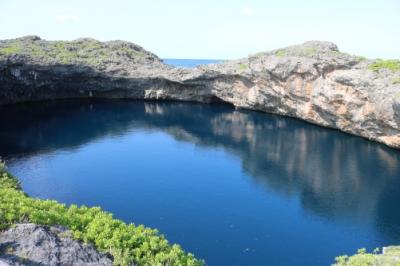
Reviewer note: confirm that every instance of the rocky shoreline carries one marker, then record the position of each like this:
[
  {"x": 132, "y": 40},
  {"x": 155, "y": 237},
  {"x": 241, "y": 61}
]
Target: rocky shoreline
[
  {"x": 313, "y": 81},
  {"x": 30, "y": 244}
]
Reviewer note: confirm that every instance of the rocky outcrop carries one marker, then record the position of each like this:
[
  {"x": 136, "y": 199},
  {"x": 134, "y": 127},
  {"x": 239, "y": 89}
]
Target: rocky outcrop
[
  {"x": 32, "y": 69},
  {"x": 313, "y": 81},
  {"x": 30, "y": 244}
]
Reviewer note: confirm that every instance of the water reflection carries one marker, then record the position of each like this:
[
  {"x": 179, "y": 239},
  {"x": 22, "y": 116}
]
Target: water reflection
[{"x": 337, "y": 176}]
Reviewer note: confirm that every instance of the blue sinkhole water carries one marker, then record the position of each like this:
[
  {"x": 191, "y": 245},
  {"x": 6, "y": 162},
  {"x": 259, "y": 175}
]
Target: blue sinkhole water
[{"x": 234, "y": 187}]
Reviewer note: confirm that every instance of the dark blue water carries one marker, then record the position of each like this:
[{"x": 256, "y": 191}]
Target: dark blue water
[
  {"x": 190, "y": 63},
  {"x": 234, "y": 187}
]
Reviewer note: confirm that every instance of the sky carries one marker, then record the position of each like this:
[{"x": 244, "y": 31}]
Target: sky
[{"x": 211, "y": 29}]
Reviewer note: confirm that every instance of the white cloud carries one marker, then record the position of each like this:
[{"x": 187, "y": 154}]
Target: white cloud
[
  {"x": 67, "y": 18},
  {"x": 248, "y": 11}
]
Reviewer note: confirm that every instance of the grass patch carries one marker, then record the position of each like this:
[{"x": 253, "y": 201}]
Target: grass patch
[
  {"x": 361, "y": 58},
  {"x": 127, "y": 243},
  {"x": 12, "y": 48},
  {"x": 396, "y": 81},
  {"x": 7, "y": 181},
  {"x": 86, "y": 52},
  {"x": 280, "y": 53},
  {"x": 309, "y": 51},
  {"x": 242, "y": 67},
  {"x": 258, "y": 55},
  {"x": 362, "y": 258},
  {"x": 131, "y": 53},
  {"x": 379, "y": 64}
]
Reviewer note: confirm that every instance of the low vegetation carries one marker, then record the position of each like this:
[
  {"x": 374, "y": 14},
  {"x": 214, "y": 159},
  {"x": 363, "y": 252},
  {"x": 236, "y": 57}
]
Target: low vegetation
[
  {"x": 242, "y": 67},
  {"x": 379, "y": 64},
  {"x": 13, "y": 48},
  {"x": 309, "y": 51},
  {"x": 363, "y": 258},
  {"x": 127, "y": 243},
  {"x": 281, "y": 53},
  {"x": 62, "y": 51},
  {"x": 85, "y": 51},
  {"x": 396, "y": 81},
  {"x": 361, "y": 58}
]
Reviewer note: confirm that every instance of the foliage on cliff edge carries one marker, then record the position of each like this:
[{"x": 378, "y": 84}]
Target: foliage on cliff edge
[{"x": 389, "y": 257}]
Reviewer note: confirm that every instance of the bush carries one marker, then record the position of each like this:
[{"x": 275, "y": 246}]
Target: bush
[
  {"x": 12, "y": 48},
  {"x": 242, "y": 67},
  {"x": 127, "y": 243},
  {"x": 280, "y": 53},
  {"x": 362, "y": 258},
  {"x": 396, "y": 81},
  {"x": 393, "y": 65}
]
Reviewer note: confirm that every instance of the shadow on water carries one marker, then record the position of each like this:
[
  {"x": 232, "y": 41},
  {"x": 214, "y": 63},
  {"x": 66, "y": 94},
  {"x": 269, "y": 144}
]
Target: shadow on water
[{"x": 335, "y": 175}]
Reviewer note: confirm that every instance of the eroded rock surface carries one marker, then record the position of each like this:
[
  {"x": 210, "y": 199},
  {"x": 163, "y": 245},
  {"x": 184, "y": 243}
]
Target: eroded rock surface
[
  {"x": 312, "y": 81},
  {"x": 33, "y": 245}
]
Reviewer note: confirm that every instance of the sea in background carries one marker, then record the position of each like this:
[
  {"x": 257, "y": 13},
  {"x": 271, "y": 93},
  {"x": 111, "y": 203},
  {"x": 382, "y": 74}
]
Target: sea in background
[{"x": 190, "y": 63}]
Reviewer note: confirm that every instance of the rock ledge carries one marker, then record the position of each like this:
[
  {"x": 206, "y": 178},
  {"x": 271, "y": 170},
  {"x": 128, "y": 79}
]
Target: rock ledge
[{"x": 30, "y": 244}]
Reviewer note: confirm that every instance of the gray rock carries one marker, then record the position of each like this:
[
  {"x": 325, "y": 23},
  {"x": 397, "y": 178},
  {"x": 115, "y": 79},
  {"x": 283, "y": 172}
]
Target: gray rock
[
  {"x": 312, "y": 81},
  {"x": 33, "y": 245}
]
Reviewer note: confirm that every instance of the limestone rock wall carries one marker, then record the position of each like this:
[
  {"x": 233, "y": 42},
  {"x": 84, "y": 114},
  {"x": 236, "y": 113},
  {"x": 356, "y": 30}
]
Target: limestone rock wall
[{"x": 313, "y": 81}]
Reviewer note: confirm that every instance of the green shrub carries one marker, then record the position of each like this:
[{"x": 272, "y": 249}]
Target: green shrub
[
  {"x": 127, "y": 243},
  {"x": 7, "y": 180},
  {"x": 361, "y": 58},
  {"x": 362, "y": 258},
  {"x": 88, "y": 52},
  {"x": 396, "y": 81},
  {"x": 309, "y": 51},
  {"x": 258, "y": 55},
  {"x": 280, "y": 53},
  {"x": 12, "y": 48},
  {"x": 379, "y": 64},
  {"x": 242, "y": 67}
]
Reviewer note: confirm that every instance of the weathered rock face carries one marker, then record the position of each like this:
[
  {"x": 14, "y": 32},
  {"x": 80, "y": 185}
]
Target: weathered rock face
[
  {"x": 313, "y": 81},
  {"x": 32, "y": 69},
  {"x": 30, "y": 244}
]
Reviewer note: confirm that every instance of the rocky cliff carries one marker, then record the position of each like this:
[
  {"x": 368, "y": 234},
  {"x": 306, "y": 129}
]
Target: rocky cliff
[{"x": 314, "y": 81}]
